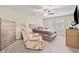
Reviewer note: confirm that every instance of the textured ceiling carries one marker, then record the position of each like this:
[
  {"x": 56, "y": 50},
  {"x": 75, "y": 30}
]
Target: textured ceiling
[{"x": 29, "y": 9}]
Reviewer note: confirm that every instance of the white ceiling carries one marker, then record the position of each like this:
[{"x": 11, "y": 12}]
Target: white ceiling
[{"x": 30, "y": 9}]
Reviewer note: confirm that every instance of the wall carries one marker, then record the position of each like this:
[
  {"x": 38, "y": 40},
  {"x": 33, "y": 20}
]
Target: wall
[
  {"x": 19, "y": 18},
  {"x": 67, "y": 19}
]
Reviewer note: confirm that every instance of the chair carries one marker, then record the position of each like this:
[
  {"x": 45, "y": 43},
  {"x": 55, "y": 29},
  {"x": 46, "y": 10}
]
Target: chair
[{"x": 31, "y": 40}]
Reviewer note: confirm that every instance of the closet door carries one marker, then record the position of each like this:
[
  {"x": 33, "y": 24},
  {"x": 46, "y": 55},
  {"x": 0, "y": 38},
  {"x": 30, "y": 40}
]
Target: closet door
[{"x": 7, "y": 33}]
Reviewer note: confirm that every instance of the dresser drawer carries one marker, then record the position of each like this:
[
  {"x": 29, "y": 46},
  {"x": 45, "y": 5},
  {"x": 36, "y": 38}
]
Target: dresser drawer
[{"x": 72, "y": 32}]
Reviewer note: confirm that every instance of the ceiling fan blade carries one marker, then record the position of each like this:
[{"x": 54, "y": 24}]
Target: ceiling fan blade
[{"x": 38, "y": 10}]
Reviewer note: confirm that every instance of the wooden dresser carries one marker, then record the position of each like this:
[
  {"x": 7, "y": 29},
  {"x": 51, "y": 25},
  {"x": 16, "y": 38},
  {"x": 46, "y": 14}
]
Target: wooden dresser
[
  {"x": 72, "y": 38},
  {"x": 7, "y": 33}
]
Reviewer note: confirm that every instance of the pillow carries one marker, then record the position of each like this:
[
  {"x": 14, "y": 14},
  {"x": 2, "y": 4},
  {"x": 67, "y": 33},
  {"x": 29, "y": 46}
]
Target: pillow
[{"x": 35, "y": 34}]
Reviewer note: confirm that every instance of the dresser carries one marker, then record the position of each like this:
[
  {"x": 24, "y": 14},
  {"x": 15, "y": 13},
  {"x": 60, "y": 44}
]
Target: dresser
[
  {"x": 7, "y": 33},
  {"x": 72, "y": 38}
]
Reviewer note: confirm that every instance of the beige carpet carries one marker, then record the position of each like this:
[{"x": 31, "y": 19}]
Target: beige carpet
[{"x": 56, "y": 46}]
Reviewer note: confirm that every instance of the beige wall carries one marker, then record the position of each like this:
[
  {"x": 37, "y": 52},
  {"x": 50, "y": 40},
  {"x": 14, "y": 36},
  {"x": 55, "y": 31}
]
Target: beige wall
[
  {"x": 18, "y": 17},
  {"x": 67, "y": 21}
]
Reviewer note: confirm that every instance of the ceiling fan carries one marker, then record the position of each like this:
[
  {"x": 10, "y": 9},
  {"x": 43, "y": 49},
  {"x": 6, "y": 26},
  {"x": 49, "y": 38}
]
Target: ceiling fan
[{"x": 45, "y": 11}]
